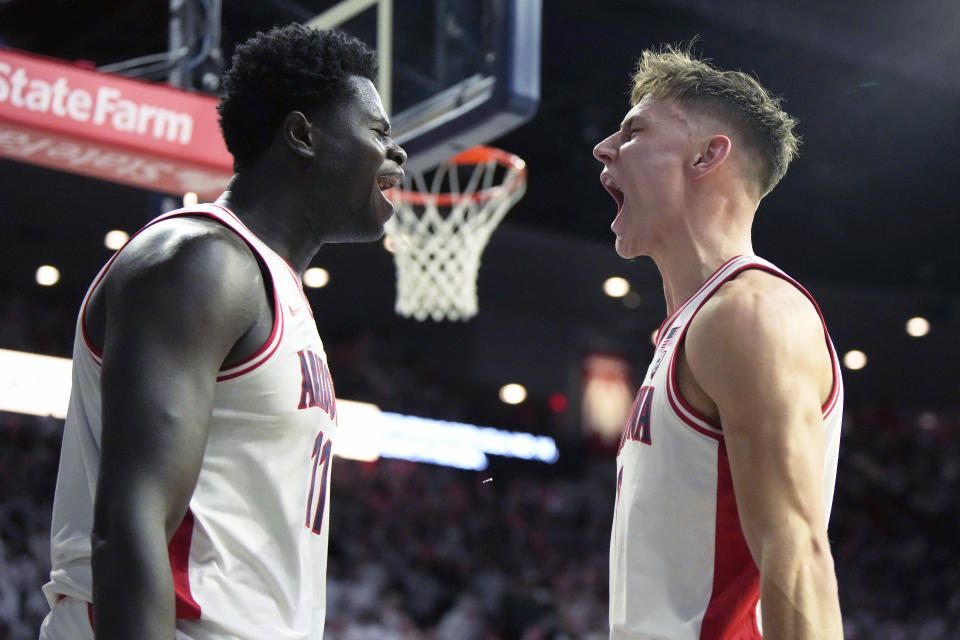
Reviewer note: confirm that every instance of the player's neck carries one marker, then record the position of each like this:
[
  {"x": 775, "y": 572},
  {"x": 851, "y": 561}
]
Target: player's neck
[
  {"x": 702, "y": 239},
  {"x": 274, "y": 219},
  {"x": 684, "y": 270}
]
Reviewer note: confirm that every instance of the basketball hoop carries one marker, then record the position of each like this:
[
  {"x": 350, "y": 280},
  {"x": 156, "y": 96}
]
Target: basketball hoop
[{"x": 441, "y": 227}]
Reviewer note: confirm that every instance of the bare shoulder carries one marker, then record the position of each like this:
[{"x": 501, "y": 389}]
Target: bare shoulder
[
  {"x": 758, "y": 328},
  {"x": 188, "y": 271},
  {"x": 758, "y": 305},
  {"x": 184, "y": 243}
]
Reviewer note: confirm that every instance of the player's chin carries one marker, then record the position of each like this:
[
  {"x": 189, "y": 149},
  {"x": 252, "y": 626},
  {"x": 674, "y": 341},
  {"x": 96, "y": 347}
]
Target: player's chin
[
  {"x": 371, "y": 234},
  {"x": 370, "y": 230},
  {"x": 382, "y": 207},
  {"x": 375, "y": 230},
  {"x": 624, "y": 250}
]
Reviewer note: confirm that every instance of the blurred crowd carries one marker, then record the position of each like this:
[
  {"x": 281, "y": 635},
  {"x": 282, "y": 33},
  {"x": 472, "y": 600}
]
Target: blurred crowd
[
  {"x": 427, "y": 552},
  {"x": 519, "y": 551},
  {"x": 420, "y": 552},
  {"x": 29, "y": 453}
]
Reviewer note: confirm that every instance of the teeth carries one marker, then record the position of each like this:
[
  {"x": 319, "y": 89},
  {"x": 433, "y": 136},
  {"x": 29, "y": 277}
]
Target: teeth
[{"x": 387, "y": 182}]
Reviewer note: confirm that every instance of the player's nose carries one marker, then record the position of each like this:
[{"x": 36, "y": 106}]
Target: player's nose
[
  {"x": 397, "y": 153},
  {"x": 605, "y": 149}
]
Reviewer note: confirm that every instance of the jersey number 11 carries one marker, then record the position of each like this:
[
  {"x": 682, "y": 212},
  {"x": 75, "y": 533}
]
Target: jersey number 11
[{"x": 322, "y": 453}]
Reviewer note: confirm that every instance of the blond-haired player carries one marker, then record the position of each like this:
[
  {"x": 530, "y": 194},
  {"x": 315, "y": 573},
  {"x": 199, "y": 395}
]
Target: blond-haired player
[{"x": 726, "y": 468}]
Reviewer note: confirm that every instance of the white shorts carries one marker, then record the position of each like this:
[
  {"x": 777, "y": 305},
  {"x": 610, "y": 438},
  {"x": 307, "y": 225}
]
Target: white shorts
[{"x": 68, "y": 620}]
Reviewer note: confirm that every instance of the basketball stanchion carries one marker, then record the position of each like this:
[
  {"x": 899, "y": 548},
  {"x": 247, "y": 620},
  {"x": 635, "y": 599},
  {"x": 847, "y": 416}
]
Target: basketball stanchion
[{"x": 441, "y": 227}]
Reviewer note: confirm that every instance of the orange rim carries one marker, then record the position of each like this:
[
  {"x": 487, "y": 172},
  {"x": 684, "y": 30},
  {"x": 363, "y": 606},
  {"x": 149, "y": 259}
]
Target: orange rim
[{"x": 475, "y": 155}]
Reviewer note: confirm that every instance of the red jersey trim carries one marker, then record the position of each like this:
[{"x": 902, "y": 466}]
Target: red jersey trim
[
  {"x": 264, "y": 353},
  {"x": 732, "y": 609},
  {"x": 685, "y": 411},
  {"x": 179, "y": 551},
  {"x": 270, "y": 345},
  {"x": 299, "y": 283},
  {"x": 831, "y": 401},
  {"x": 681, "y": 407},
  {"x": 94, "y": 351},
  {"x": 290, "y": 269},
  {"x": 232, "y": 222},
  {"x": 61, "y": 596},
  {"x": 670, "y": 318}
]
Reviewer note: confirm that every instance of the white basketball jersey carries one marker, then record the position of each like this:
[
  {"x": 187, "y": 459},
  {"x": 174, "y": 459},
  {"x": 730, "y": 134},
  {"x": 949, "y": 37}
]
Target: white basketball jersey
[
  {"x": 680, "y": 568},
  {"x": 249, "y": 559}
]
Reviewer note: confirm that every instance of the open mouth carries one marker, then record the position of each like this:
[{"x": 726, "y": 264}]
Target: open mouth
[
  {"x": 612, "y": 189},
  {"x": 390, "y": 180}
]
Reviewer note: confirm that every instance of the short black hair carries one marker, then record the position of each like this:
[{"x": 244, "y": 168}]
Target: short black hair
[{"x": 285, "y": 69}]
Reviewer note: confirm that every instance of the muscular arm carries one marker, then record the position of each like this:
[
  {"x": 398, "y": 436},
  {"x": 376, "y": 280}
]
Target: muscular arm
[
  {"x": 758, "y": 351},
  {"x": 175, "y": 303}
]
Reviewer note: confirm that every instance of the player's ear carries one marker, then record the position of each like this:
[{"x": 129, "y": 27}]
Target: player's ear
[
  {"x": 711, "y": 155},
  {"x": 298, "y": 134}
]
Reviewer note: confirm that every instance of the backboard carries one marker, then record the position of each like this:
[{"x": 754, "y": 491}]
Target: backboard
[{"x": 453, "y": 73}]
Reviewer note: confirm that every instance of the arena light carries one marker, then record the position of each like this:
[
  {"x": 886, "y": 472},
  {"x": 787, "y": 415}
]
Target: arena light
[
  {"x": 557, "y": 402},
  {"x": 316, "y": 277},
  {"x": 360, "y": 435},
  {"x": 396, "y": 241},
  {"x": 607, "y": 391},
  {"x": 918, "y": 327},
  {"x": 928, "y": 420},
  {"x": 190, "y": 198},
  {"x": 616, "y": 287},
  {"x": 40, "y": 385},
  {"x": 422, "y": 440},
  {"x": 513, "y": 393},
  {"x": 47, "y": 275},
  {"x": 458, "y": 444},
  {"x": 34, "y": 384},
  {"x": 855, "y": 359},
  {"x": 115, "y": 239},
  {"x": 632, "y": 300}
]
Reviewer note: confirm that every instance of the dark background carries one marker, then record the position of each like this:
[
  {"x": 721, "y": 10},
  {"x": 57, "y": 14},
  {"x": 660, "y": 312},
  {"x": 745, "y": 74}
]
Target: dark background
[{"x": 866, "y": 217}]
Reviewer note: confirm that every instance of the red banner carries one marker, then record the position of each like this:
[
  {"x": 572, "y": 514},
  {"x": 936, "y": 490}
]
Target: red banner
[{"x": 147, "y": 135}]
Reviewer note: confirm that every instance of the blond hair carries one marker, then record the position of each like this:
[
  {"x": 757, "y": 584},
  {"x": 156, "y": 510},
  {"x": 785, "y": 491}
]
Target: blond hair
[{"x": 732, "y": 96}]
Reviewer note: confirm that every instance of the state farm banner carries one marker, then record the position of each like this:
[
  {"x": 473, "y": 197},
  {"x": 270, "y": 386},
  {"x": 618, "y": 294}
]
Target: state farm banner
[{"x": 147, "y": 135}]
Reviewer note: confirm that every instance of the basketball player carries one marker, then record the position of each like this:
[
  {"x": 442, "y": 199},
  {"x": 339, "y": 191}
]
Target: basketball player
[
  {"x": 192, "y": 496},
  {"x": 726, "y": 468}
]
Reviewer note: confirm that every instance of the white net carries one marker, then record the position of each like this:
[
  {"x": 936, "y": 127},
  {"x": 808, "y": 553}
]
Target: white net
[{"x": 441, "y": 227}]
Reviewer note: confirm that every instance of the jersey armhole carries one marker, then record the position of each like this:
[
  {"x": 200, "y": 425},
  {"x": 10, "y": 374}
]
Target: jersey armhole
[
  {"x": 827, "y": 407},
  {"x": 679, "y": 405},
  {"x": 270, "y": 289},
  {"x": 697, "y": 420}
]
